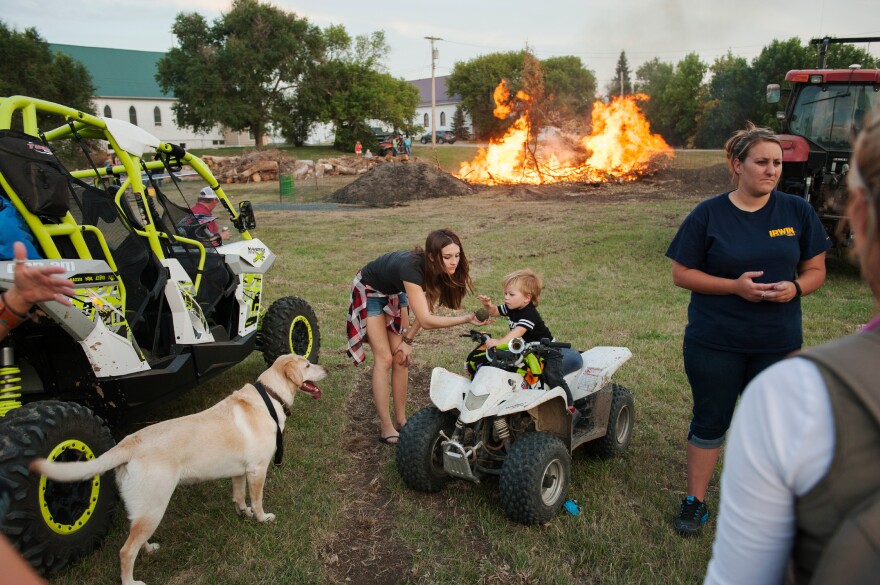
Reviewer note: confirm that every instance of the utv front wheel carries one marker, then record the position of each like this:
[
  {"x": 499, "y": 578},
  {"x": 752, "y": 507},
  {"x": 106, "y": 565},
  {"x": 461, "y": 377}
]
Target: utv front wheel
[
  {"x": 290, "y": 326},
  {"x": 55, "y": 523},
  {"x": 534, "y": 478},
  {"x": 419, "y": 452},
  {"x": 620, "y": 424}
]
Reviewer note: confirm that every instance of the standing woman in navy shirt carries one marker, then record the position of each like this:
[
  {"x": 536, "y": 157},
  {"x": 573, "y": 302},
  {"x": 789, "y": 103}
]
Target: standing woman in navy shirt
[{"x": 747, "y": 257}]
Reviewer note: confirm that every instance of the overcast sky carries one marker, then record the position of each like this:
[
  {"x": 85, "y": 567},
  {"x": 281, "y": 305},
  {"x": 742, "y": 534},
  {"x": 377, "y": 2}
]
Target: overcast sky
[{"x": 594, "y": 31}]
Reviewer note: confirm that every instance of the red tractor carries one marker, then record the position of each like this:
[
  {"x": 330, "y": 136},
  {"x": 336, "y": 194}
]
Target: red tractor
[{"x": 824, "y": 113}]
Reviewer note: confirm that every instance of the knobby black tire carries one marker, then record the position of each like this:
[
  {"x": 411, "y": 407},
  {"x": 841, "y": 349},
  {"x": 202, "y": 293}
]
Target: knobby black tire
[
  {"x": 621, "y": 420},
  {"x": 535, "y": 478},
  {"x": 419, "y": 457},
  {"x": 290, "y": 326},
  {"x": 32, "y": 431}
]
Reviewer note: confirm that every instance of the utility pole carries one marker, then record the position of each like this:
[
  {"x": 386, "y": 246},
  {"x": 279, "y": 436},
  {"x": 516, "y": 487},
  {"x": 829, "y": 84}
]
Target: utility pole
[{"x": 433, "y": 93}]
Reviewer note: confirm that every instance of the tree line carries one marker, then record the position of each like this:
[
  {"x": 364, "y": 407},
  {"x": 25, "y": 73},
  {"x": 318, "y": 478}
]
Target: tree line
[
  {"x": 254, "y": 68},
  {"x": 258, "y": 67},
  {"x": 689, "y": 103}
]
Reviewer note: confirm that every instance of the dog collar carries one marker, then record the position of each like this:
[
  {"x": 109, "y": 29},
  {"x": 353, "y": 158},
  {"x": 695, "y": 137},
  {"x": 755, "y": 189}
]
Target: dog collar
[{"x": 265, "y": 393}]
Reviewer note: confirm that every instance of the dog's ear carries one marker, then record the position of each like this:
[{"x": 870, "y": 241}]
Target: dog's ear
[{"x": 293, "y": 371}]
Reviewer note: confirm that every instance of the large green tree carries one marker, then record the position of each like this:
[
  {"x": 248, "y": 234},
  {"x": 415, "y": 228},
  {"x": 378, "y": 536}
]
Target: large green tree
[
  {"x": 34, "y": 70},
  {"x": 571, "y": 89},
  {"x": 732, "y": 100},
  {"x": 240, "y": 71},
  {"x": 349, "y": 88},
  {"x": 677, "y": 97},
  {"x": 653, "y": 79},
  {"x": 475, "y": 81},
  {"x": 567, "y": 89}
]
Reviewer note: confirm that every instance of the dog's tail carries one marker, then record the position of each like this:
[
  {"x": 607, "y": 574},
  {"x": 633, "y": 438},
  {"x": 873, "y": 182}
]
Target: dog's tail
[{"x": 82, "y": 470}]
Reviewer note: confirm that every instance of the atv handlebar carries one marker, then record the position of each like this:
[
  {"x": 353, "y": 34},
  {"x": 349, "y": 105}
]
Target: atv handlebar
[{"x": 518, "y": 345}]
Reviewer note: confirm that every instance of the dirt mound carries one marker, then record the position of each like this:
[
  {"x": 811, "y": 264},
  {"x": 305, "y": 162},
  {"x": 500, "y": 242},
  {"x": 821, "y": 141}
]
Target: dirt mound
[{"x": 399, "y": 182}]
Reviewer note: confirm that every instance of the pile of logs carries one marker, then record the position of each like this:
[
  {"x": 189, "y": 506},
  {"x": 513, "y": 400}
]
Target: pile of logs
[{"x": 267, "y": 165}]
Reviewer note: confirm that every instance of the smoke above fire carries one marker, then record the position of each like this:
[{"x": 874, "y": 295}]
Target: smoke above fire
[{"x": 620, "y": 146}]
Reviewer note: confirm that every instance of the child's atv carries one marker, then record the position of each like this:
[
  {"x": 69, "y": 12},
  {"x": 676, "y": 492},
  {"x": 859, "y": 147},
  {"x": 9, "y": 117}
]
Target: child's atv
[
  {"x": 158, "y": 309},
  {"x": 504, "y": 423}
]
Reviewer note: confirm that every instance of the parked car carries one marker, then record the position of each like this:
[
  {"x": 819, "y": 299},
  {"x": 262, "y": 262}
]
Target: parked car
[{"x": 442, "y": 136}]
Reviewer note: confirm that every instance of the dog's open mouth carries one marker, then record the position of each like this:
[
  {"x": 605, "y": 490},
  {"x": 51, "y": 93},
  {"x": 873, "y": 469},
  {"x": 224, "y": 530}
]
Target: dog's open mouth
[{"x": 311, "y": 389}]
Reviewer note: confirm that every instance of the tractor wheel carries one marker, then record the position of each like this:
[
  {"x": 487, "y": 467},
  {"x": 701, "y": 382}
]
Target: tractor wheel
[
  {"x": 290, "y": 326},
  {"x": 54, "y": 523},
  {"x": 620, "y": 424},
  {"x": 534, "y": 478},
  {"x": 419, "y": 455}
]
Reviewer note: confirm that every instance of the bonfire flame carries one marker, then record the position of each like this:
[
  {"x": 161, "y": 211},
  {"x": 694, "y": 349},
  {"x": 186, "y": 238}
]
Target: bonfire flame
[{"x": 620, "y": 148}]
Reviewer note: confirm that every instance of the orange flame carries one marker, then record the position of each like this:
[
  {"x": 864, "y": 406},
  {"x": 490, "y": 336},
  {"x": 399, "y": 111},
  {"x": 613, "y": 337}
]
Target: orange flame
[{"x": 621, "y": 147}]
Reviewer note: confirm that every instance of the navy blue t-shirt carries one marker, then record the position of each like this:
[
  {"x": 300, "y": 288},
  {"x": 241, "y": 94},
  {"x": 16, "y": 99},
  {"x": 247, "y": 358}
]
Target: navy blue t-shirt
[{"x": 722, "y": 240}]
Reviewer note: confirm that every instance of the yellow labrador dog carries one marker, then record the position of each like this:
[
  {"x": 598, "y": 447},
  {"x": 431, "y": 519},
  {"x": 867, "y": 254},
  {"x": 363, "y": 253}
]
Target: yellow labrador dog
[{"x": 151, "y": 462}]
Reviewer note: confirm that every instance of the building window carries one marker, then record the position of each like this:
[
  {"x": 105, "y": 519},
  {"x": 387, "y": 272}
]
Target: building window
[
  {"x": 157, "y": 116},
  {"x": 107, "y": 113},
  {"x": 133, "y": 115},
  {"x": 442, "y": 119},
  {"x": 426, "y": 124}
]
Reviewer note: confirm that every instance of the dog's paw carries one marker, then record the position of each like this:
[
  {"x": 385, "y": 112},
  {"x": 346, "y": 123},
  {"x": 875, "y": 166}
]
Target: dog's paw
[
  {"x": 246, "y": 511},
  {"x": 150, "y": 547},
  {"x": 267, "y": 518}
]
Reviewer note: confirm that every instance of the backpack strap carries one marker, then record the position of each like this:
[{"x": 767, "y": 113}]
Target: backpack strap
[
  {"x": 852, "y": 552},
  {"x": 853, "y": 360}
]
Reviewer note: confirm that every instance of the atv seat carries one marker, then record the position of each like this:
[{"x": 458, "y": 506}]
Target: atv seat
[{"x": 572, "y": 361}]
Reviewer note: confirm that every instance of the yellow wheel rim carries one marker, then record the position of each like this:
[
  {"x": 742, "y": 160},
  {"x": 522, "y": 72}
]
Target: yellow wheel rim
[
  {"x": 300, "y": 334},
  {"x": 76, "y": 518}
]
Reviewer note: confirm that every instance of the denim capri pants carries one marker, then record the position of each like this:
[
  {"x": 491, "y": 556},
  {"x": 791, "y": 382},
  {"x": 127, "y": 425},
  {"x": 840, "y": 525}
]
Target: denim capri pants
[{"x": 717, "y": 378}]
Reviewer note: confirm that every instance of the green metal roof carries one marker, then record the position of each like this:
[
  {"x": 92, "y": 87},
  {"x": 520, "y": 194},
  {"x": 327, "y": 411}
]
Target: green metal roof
[{"x": 118, "y": 72}]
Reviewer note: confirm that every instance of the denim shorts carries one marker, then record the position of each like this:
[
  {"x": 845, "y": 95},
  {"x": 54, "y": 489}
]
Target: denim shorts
[
  {"x": 717, "y": 378},
  {"x": 376, "y": 305}
]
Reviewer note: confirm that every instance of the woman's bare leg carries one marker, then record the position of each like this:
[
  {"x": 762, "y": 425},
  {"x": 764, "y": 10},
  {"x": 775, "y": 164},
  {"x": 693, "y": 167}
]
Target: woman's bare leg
[{"x": 377, "y": 338}]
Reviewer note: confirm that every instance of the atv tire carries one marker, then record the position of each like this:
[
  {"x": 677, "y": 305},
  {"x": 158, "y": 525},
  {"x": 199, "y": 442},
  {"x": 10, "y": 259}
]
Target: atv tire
[
  {"x": 290, "y": 326},
  {"x": 54, "y": 523},
  {"x": 621, "y": 420},
  {"x": 534, "y": 478},
  {"x": 419, "y": 454}
]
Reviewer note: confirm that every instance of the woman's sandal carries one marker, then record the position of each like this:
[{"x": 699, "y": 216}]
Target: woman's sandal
[{"x": 389, "y": 440}]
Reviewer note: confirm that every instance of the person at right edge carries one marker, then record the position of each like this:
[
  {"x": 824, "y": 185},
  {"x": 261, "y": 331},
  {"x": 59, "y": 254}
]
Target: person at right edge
[
  {"x": 747, "y": 256},
  {"x": 800, "y": 492}
]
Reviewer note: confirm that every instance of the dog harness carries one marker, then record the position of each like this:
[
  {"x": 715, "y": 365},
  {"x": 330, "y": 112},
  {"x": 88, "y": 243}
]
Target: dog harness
[{"x": 265, "y": 394}]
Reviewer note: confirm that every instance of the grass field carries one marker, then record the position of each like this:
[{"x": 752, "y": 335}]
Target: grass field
[{"x": 607, "y": 282}]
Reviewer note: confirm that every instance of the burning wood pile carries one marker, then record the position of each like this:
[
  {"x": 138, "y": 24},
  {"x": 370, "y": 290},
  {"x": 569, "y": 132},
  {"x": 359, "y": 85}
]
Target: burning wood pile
[
  {"x": 267, "y": 165},
  {"x": 620, "y": 147}
]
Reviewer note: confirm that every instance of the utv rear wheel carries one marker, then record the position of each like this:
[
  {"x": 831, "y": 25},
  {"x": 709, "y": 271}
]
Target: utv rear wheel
[
  {"x": 534, "y": 478},
  {"x": 55, "y": 523},
  {"x": 419, "y": 454},
  {"x": 290, "y": 326},
  {"x": 620, "y": 424}
]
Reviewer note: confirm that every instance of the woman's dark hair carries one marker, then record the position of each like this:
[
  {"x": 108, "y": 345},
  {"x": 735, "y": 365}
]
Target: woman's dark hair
[
  {"x": 440, "y": 287},
  {"x": 741, "y": 142}
]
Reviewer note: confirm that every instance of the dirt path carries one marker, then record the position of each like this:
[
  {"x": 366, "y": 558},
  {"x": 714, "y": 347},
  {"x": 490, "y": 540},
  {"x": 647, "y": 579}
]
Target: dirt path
[{"x": 366, "y": 551}]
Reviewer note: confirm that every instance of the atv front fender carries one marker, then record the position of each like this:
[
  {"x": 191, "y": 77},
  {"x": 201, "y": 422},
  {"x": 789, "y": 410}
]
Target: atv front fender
[{"x": 493, "y": 392}]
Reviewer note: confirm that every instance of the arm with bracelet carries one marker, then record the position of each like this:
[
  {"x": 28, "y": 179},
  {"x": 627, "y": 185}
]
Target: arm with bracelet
[{"x": 31, "y": 285}]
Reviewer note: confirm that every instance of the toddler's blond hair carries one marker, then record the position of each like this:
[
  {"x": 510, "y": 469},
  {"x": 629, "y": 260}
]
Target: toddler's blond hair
[{"x": 526, "y": 282}]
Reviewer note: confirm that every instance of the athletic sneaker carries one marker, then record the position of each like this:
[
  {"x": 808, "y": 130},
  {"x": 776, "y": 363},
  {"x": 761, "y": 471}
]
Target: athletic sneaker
[{"x": 693, "y": 515}]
